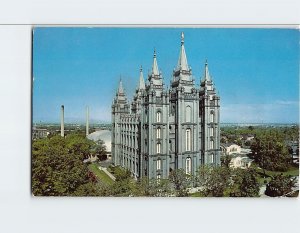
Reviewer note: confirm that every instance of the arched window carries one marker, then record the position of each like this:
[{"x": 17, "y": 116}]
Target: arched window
[
  {"x": 158, "y": 148},
  {"x": 211, "y": 116},
  {"x": 158, "y": 133},
  {"x": 188, "y": 140},
  {"x": 158, "y": 164},
  {"x": 212, "y": 158},
  {"x": 188, "y": 166},
  {"x": 188, "y": 114},
  {"x": 158, "y": 117}
]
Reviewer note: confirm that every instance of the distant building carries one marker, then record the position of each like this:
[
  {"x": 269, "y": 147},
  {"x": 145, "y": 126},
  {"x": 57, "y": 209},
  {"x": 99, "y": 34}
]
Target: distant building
[
  {"x": 240, "y": 161},
  {"x": 166, "y": 129},
  {"x": 294, "y": 150},
  {"x": 105, "y": 136},
  {"x": 230, "y": 148},
  {"x": 39, "y": 133},
  {"x": 239, "y": 155}
]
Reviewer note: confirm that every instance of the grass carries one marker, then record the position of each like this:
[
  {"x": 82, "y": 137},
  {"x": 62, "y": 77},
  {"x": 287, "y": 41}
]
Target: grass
[
  {"x": 292, "y": 171},
  {"x": 101, "y": 175},
  {"x": 197, "y": 194}
]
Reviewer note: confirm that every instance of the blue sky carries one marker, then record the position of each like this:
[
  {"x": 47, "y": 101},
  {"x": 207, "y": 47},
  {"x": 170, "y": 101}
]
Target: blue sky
[{"x": 256, "y": 71}]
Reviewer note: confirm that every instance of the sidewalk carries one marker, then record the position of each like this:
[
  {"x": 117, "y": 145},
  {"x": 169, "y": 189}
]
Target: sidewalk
[{"x": 107, "y": 173}]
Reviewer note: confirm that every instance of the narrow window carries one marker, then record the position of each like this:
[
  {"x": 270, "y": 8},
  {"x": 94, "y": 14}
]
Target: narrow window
[
  {"x": 188, "y": 114},
  {"x": 170, "y": 145},
  {"x": 158, "y": 148},
  {"x": 158, "y": 116},
  {"x": 211, "y": 132},
  {"x": 158, "y": 164},
  {"x": 188, "y": 140},
  {"x": 212, "y": 158},
  {"x": 211, "y": 117},
  {"x": 188, "y": 166},
  {"x": 158, "y": 133},
  {"x": 211, "y": 144}
]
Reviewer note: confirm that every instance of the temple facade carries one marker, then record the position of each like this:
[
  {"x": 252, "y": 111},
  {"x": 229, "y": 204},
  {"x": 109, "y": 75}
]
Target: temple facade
[{"x": 165, "y": 129}]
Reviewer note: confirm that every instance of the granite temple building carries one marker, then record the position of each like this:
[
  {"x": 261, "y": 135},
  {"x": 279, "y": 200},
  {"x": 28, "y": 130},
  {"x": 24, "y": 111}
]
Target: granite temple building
[{"x": 164, "y": 129}]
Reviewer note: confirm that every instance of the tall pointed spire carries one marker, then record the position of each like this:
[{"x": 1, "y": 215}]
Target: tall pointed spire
[
  {"x": 120, "y": 95},
  {"x": 182, "y": 61},
  {"x": 206, "y": 72},
  {"x": 141, "y": 81},
  {"x": 155, "y": 66},
  {"x": 120, "y": 90}
]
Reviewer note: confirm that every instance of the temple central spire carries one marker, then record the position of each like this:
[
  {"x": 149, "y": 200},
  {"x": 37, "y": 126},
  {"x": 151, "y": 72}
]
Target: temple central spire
[
  {"x": 155, "y": 66},
  {"x": 182, "y": 61},
  {"x": 120, "y": 90}
]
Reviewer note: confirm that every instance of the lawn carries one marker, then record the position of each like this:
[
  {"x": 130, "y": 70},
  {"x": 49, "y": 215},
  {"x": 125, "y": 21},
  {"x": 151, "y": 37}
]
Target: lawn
[
  {"x": 101, "y": 175},
  {"x": 292, "y": 171}
]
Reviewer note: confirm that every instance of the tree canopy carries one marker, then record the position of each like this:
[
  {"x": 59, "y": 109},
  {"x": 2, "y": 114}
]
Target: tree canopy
[
  {"x": 280, "y": 185},
  {"x": 58, "y": 168},
  {"x": 270, "y": 152}
]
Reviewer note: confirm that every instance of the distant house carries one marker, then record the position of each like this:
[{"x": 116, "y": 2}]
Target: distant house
[
  {"x": 238, "y": 154},
  {"x": 240, "y": 161},
  {"x": 229, "y": 148}
]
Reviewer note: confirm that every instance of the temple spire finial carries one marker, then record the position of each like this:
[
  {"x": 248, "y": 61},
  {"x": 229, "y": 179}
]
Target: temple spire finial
[
  {"x": 206, "y": 72},
  {"x": 182, "y": 61},
  {"x": 121, "y": 89},
  {"x": 155, "y": 70}
]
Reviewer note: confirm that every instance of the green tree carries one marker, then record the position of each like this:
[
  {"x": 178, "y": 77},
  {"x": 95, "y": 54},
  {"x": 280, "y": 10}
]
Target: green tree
[
  {"x": 280, "y": 185},
  {"x": 99, "y": 150},
  {"x": 250, "y": 128},
  {"x": 153, "y": 188},
  {"x": 225, "y": 160},
  {"x": 245, "y": 183},
  {"x": 180, "y": 181},
  {"x": 78, "y": 144},
  {"x": 58, "y": 169},
  {"x": 239, "y": 142},
  {"x": 270, "y": 152},
  {"x": 123, "y": 185},
  {"x": 213, "y": 180}
]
